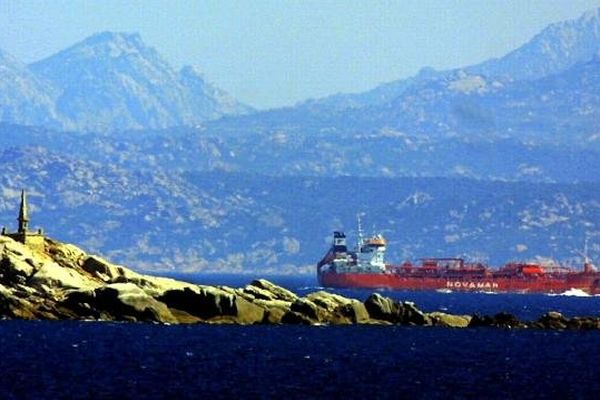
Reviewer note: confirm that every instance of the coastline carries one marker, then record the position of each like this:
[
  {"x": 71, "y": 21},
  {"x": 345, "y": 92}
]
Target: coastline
[{"x": 59, "y": 281}]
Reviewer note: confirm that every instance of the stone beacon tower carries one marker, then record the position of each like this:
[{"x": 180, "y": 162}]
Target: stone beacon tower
[
  {"x": 23, "y": 214},
  {"x": 31, "y": 239}
]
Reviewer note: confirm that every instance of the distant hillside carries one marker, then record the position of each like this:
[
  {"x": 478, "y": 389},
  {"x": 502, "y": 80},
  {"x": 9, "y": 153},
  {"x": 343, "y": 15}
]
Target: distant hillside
[
  {"x": 109, "y": 82},
  {"x": 386, "y": 153},
  {"x": 219, "y": 221},
  {"x": 555, "y": 49},
  {"x": 24, "y": 98},
  {"x": 559, "y": 109}
]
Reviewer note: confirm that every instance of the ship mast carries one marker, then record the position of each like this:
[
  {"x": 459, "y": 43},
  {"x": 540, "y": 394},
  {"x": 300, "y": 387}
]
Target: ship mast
[
  {"x": 587, "y": 264},
  {"x": 584, "y": 253},
  {"x": 360, "y": 236}
]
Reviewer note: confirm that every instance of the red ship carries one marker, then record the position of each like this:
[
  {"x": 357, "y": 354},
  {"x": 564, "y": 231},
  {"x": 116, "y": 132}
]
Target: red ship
[{"x": 365, "y": 268}]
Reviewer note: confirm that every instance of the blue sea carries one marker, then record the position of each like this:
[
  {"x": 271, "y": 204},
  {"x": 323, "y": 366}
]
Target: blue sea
[{"x": 47, "y": 360}]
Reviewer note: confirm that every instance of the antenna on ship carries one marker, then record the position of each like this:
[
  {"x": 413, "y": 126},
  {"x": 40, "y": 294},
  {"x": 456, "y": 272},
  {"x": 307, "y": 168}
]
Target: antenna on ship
[
  {"x": 584, "y": 253},
  {"x": 587, "y": 265}
]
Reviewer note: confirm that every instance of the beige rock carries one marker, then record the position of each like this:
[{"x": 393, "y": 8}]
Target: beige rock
[
  {"x": 118, "y": 301},
  {"x": 99, "y": 267},
  {"x": 157, "y": 285},
  {"x": 328, "y": 301},
  {"x": 67, "y": 255},
  {"x": 308, "y": 309},
  {"x": 17, "y": 259},
  {"x": 254, "y": 292},
  {"x": 296, "y": 318},
  {"x": 274, "y": 309},
  {"x": 449, "y": 320},
  {"x": 552, "y": 320},
  {"x": 386, "y": 309},
  {"x": 276, "y": 292},
  {"x": 247, "y": 312},
  {"x": 216, "y": 304},
  {"x": 60, "y": 278},
  {"x": 15, "y": 269},
  {"x": 412, "y": 315},
  {"x": 16, "y": 305},
  {"x": 357, "y": 312},
  {"x": 383, "y": 308},
  {"x": 339, "y": 309},
  {"x": 584, "y": 323},
  {"x": 144, "y": 305},
  {"x": 112, "y": 273}
]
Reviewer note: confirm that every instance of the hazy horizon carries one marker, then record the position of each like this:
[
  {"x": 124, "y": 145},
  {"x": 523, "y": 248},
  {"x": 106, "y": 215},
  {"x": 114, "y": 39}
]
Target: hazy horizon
[{"x": 271, "y": 54}]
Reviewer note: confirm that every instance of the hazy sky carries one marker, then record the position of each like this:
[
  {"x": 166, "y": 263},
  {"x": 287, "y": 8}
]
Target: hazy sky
[{"x": 274, "y": 53}]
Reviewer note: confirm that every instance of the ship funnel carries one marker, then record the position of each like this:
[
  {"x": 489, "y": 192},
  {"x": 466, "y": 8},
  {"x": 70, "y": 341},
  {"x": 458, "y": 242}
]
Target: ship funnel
[{"x": 339, "y": 242}]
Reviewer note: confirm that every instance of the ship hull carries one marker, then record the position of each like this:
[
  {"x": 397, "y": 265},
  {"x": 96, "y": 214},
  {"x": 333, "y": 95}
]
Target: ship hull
[{"x": 589, "y": 283}]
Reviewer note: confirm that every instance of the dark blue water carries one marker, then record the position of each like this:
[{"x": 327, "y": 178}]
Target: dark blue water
[
  {"x": 109, "y": 360},
  {"x": 100, "y": 360}
]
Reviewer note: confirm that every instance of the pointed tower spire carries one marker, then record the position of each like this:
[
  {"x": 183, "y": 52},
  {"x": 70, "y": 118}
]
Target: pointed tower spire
[{"x": 23, "y": 214}]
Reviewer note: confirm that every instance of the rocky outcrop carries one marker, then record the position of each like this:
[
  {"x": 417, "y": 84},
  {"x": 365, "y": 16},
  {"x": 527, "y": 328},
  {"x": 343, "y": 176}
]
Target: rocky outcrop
[
  {"x": 449, "y": 320},
  {"x": 552, "y": 320},
  {"x": 213, "y": 304},
  {"x": 500, "y": 320},
  {"x": 339, "y": 309},
  {"x": 326, "y": 308},
  {"x": 583, "y": 323},
  {"x": 263, "y": 289},
  {"x": 388, "y": 310},
  {"x": 60, "y": 281},
  {"x": 118, "y": 301}
]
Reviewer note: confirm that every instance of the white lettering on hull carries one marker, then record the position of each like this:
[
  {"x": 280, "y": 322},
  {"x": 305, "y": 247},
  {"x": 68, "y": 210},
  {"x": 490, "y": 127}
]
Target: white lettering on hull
[{"x": 471, "y": 285}]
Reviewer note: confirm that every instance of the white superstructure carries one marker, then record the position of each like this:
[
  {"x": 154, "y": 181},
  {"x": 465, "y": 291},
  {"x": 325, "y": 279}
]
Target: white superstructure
[{"x": 369, "y": 255}]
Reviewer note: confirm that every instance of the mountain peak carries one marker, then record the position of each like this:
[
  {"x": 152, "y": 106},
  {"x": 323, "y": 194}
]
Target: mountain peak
[
  {"x": 114, "y": 81},
  {"x": 192, "y": 71},
  {"x": 556, "y": 48},
  {"x": 120, "y": 39},
  {"x": 427, "y": 72},
  {"x": 114, "y": 36},
  {"x": 107, "y": 44},
  {"x": 591, "y": 15}
]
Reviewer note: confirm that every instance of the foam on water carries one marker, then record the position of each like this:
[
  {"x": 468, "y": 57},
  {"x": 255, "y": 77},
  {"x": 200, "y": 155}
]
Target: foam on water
[{"x": 573, "y": 293}]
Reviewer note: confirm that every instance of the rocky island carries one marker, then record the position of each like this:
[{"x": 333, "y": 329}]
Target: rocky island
[{"x": 41, "y": 278}]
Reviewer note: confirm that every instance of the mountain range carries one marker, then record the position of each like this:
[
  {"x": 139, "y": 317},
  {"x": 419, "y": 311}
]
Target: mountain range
[
  {"x": 545, "y": 90},
  {"x": 555, "y": 49},
  {"x": 114, "y": 82},
  {"x": 385, "y": 153},
  {"x": 109, "y": 82}
]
